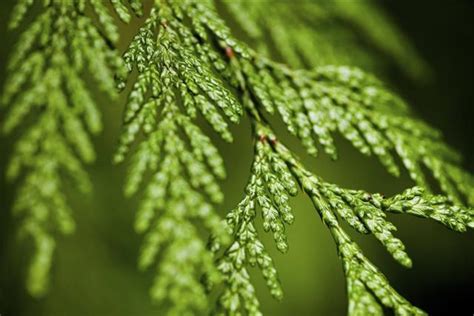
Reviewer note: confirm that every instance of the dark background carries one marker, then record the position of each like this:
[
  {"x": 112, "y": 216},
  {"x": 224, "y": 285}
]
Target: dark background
[
  {"x": 443, "y": 33},
  {"x": 95, "y": 270}
]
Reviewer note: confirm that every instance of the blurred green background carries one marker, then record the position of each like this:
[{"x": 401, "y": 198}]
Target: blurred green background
[{"x": 95, "y": 271}]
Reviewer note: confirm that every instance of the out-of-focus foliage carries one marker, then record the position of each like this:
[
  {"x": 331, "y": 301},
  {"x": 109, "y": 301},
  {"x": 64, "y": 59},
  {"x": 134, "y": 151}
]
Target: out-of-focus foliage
[
  {"x": 325, "y": 32},
  {"x": 52, "y": 107},
  {"x": 186, "y": 65}
]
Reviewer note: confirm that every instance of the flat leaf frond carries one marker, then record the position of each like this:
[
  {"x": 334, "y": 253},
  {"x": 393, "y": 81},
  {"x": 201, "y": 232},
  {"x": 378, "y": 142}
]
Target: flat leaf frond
[{"x": 45, "y": 86}]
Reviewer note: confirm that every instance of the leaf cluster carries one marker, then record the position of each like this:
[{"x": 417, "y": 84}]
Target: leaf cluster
[
  {"x": 53, "y": 110},
  {"x": 186, "y": 66}
]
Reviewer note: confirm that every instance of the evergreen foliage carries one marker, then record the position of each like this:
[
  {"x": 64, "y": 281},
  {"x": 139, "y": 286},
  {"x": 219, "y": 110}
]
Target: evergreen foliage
[
  {"x": 186, "y": 64},
  {"x": 51, "y": 104},
  {"x": 325, "y": 32},
  {"x": 184, "y": 163}
]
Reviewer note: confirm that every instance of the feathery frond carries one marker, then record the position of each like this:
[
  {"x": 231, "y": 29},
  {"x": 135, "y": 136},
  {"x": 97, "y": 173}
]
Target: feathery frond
[
  {"x": 172, "y": 87},
  {"x": 319, "y": 33},
  {"x": 187, "y": 66},
  {"x": 186, "y": 56},
  {"x": 46, "y": 90}
]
